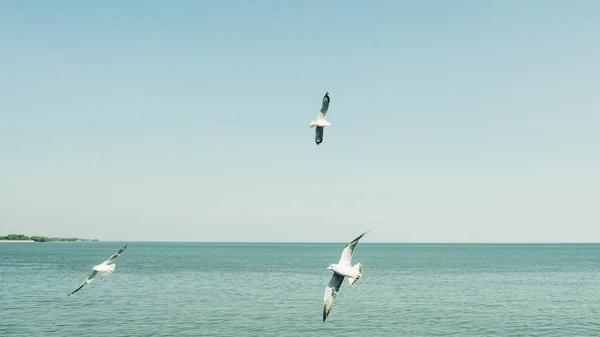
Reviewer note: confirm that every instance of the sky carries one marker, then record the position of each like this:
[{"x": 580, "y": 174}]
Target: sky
[{"x": 452, "y": 121}]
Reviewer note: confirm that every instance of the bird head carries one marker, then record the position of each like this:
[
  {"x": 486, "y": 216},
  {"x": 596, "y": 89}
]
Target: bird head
[{"x": 331, "y": 266}]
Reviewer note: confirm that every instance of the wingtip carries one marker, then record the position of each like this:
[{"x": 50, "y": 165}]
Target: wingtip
[
  {"x": 365, "y": 233},
  {"x": 361, "y": 236},
  {"x": 326, "y": 311}
]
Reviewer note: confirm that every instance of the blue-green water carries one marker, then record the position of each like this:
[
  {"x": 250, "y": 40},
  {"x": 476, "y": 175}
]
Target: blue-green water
[{"x": 213, "y": 289}]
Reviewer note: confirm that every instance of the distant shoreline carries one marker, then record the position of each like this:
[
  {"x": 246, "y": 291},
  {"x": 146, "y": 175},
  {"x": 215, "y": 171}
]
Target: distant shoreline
[
  {"x": 4, "y": 241},
  {"x": 25, "y": 238}
]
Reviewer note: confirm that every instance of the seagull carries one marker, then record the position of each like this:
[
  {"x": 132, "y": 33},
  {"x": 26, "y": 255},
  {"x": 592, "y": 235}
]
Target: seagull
[
  {"x": 342, "y": 269},
  {"x": 321, "y": 121},
  {"x": 105, "y": 267}
]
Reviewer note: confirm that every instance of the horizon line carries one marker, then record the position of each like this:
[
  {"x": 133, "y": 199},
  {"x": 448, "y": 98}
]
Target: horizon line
[{"x": 379, "y": 242}]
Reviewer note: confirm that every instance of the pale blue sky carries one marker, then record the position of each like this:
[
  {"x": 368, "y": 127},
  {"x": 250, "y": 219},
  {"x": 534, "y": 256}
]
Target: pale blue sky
[{"x": 452, "y": 121}]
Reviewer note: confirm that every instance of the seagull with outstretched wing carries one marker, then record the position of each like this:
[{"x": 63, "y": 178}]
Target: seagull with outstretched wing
[
  {"x": 321, "y": 121},
  {"x": 105, "y": 267},
  {"x": 343, "y": 268}
]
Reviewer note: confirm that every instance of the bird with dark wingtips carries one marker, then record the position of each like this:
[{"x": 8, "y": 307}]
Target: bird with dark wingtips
[
  {"x": 321, "y": 121},
  {"x": 105, "y": 267},
  {"x": 342, "y": 269}
]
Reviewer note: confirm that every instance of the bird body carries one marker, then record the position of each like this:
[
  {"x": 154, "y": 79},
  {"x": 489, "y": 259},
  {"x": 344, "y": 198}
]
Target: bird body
[{"x": 106, "y": 269}]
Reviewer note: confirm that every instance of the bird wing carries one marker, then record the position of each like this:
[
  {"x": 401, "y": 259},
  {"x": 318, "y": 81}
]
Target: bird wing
[
  {"x": 114, "y": 256},
  {"x": 324, "y": 107},
  {"x": 346, "y": 258},
  {"x": 319, "y": 134},
  {"x": 85, "y": 282},
  {"x": 330, "y": 293}
]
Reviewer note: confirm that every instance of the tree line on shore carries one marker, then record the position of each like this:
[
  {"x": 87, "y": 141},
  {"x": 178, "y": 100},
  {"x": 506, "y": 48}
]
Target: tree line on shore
[{"x": 21, "y": 237}]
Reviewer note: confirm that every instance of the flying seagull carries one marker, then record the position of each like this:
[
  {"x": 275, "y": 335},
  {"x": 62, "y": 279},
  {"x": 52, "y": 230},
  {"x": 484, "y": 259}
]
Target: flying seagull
[
  {"x": 321, "y": 121},
  {"x": 342, "y": 269},
  {"x": 105, "y": 267}
]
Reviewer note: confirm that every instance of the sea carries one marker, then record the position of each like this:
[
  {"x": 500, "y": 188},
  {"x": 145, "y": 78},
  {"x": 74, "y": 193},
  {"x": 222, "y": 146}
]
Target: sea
[{"x": 276, "y": 289}]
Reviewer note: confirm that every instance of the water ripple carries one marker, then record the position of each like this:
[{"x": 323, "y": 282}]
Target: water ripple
[{"x": 169, "y": 289}]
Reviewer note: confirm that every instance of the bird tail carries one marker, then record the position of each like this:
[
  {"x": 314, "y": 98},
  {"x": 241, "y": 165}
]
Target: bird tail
[
  {"x": 359, "y": 269},
  {"x": 110, "y": 270}
]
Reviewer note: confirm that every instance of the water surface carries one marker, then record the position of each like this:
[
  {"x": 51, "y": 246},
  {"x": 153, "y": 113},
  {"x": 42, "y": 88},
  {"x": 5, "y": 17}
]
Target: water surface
[{"x": 233, "y": 289}]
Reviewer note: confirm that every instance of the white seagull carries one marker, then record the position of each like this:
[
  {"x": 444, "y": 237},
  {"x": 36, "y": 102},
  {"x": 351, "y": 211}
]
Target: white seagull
[
  {"x": 321, "y": 121},
  {"x": 105, "y": 267},
  {"x": 342, "y": 269}
]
